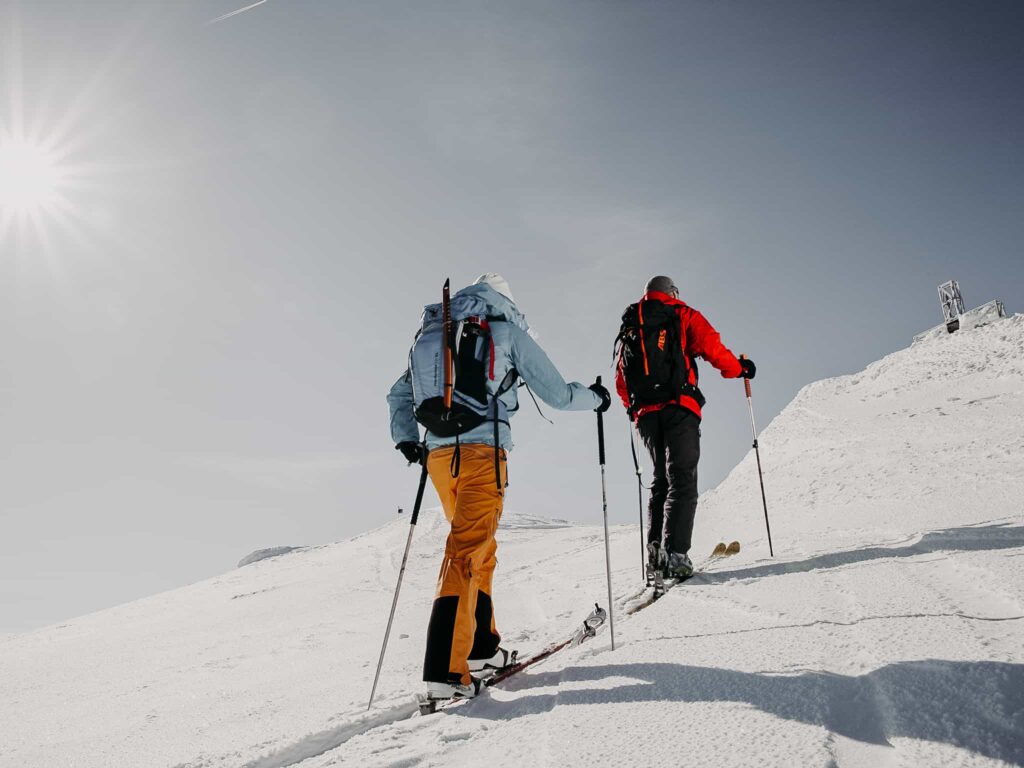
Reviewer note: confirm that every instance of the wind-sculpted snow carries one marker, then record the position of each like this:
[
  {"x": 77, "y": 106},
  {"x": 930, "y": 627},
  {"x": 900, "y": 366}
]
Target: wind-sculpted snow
[
  {"x": 266, "y": 554},
  {"x": 887, "y": 631},
  {"x": 512, "y": 519}
]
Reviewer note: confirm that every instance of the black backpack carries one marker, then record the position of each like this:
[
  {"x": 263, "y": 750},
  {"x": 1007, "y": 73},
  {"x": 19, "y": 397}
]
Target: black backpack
[
  {"x": 452, "y": 335},
  {"x": 653, "y": 362},
  {"x": 471, "y": 349}
]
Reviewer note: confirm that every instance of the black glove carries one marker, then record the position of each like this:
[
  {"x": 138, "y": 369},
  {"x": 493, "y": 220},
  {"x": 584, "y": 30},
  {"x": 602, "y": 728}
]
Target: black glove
[
  {"x": 412, "y": 451},
  {"x": 749, "y": 369},
  {"x": 606, "y": 399}
]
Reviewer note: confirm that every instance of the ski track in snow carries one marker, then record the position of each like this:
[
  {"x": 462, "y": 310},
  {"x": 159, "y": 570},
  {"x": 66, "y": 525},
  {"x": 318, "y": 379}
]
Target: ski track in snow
[
  {"x": 887, "y": 631},
  {"x": 317, "y": 744}
]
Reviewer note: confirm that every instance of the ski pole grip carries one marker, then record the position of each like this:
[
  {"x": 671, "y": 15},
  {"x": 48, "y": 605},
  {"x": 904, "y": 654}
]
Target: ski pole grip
[
  {"x": 419, "y": 494},
  {"x": 746, "y": 382},
  {"x": 600, "y": 433}
]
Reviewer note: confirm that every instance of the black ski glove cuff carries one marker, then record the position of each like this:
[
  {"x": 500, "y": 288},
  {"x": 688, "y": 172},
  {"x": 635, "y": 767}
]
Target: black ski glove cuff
[
  {"x": 749, "y": 369},
  {"x": 606, "y": 398},
  {"x": 412, "y": 451}
]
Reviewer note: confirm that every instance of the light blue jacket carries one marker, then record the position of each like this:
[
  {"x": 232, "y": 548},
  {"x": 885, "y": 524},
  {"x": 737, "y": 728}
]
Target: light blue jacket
[{"x": 513, "y": 348}]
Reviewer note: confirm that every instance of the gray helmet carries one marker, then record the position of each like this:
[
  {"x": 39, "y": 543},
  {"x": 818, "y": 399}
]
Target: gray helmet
[{"x": 662, "y": 284}]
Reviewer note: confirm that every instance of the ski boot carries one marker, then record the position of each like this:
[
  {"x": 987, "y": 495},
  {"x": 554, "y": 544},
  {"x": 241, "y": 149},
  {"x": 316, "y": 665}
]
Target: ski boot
[
  {"x": 679, "y": 566},
  {"x": 442, "y": 693},
  {"x": 502, "y": 659},
  {"x": 652, "y": 563},
  {"x": 656, "y": 561}
]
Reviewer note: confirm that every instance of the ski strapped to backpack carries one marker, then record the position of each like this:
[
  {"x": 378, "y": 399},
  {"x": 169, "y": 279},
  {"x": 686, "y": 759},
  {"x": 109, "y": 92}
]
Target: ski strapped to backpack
[
  {"x": 452, "y": 364},
  {"x": 652, "y": 354},
  {"x": 446, "y": 326}
]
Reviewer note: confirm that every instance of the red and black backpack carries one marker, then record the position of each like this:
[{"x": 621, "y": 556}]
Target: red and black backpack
[{"x": 652, "y": 355}]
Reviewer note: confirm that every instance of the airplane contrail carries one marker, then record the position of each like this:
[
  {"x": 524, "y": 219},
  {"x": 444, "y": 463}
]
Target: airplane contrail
[{"x": 234, "y": 13}]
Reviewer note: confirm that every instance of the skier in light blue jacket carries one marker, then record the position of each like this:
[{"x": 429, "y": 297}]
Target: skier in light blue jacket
[{"x": 462, "y": 637}]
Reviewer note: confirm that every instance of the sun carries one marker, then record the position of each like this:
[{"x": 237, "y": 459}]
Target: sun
[
  {"x": 45, "y": 169},
  {"x": 30, "y": 178}
]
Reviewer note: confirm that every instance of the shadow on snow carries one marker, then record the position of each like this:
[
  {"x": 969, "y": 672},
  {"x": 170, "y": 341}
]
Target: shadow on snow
[
  {"x": 977, "y": 706},
  {"x": 974, "y": 705},
  {"x": 965, "y": 539}
]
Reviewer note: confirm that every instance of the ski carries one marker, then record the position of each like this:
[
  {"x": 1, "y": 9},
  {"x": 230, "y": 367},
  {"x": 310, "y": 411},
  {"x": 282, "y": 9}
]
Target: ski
[
  {"x": 654, "y": 592},
  {"x": 591, "y": 624}
]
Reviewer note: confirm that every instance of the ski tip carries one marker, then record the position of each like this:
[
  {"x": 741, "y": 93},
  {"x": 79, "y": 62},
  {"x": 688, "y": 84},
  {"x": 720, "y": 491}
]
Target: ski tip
[
  {"x": 733, "y": 548},
  {"x": 720, "y": 549}
]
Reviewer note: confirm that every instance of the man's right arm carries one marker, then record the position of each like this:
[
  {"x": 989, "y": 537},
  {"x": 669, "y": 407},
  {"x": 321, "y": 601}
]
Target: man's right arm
[
  {"x": 703, "y": 341},
  {"x": 544, "y": 379},
  {"x": 403, "y": 420}
]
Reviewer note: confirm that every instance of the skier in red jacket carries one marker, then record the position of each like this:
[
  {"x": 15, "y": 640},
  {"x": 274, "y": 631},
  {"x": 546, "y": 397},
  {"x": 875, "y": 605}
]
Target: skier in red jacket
[{"x": 656, "y": 377}]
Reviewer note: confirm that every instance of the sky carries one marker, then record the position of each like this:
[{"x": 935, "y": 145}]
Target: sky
[{"x": 199, "y": 328}]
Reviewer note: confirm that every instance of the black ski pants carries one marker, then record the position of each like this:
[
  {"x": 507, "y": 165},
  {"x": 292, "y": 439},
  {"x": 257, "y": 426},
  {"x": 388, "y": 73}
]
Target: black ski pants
[{"x": 672, "y": 437}]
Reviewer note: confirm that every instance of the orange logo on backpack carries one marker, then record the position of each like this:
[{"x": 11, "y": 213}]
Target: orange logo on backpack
[{"x": 661, "y": 340}]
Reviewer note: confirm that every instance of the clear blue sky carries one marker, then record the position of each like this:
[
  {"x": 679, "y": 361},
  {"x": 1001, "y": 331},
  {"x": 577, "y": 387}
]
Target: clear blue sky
[{"x": 196, "y": 350}]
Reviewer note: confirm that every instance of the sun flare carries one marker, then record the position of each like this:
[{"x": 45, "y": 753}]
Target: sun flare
[
  {"x": 45, "y": 171},
  {"x": 30, "y": 177}
]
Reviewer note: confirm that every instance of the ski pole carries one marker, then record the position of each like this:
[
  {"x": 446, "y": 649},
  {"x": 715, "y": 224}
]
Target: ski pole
[
  {"x": 604, "y": 501},
  {"x": 640, "y": 504},
  {"x": 757, "y": 453},
  {"x": 401, "y": 573}
]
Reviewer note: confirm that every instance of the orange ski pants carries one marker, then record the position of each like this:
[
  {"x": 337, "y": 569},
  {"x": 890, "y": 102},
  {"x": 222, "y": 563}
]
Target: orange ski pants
[{"x": 462, "y": 622}]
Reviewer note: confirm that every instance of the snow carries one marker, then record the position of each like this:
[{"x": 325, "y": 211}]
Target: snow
[
  {"x": 266, "y": 554},
  {"x": 888, "y": 630},
  {"x": 989, "y": 312}
]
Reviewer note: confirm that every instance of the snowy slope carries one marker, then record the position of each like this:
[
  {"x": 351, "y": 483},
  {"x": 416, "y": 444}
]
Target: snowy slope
[{"x": 888, "y": 630}]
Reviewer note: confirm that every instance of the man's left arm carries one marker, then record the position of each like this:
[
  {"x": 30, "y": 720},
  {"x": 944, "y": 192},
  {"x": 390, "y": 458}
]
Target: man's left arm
[{"x": 620, "y": 384}]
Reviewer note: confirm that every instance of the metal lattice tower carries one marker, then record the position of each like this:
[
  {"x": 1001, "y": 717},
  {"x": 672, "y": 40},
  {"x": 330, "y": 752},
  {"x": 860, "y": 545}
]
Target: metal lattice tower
[{"x": 952, "y": 304}]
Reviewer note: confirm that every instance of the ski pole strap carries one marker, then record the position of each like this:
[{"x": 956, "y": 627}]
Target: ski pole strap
[
  {"x": 536, "y": 404},
  {"x": 497, "y": 449},
  {"x": 632, "y": 447},
  {"x": 506, "y": 384},
  {"x": 643, "y": 347}
]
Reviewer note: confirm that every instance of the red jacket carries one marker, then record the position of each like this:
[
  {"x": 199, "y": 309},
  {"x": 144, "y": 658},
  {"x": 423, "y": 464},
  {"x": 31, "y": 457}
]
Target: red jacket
[{"x": 699, "y": 339}]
